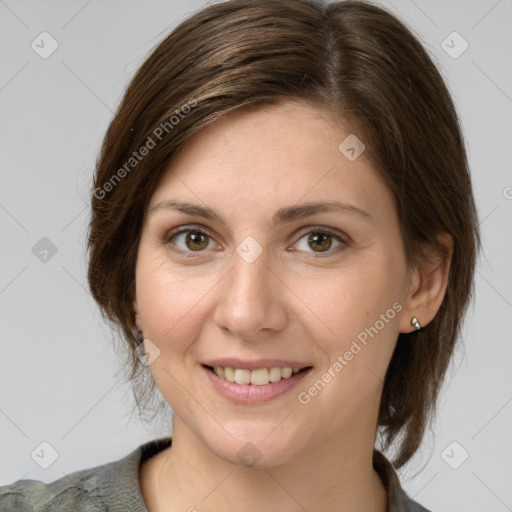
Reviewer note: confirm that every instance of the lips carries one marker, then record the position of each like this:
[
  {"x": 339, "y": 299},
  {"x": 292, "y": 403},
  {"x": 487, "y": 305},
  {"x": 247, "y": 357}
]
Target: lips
[{"x": 254, "y": 381}]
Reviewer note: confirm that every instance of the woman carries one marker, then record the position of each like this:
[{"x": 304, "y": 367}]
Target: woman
[{"x": 283, "y": 227}]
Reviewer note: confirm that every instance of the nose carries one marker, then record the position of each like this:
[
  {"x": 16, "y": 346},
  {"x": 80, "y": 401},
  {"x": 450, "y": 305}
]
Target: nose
[{"x": 251, "y": 300}]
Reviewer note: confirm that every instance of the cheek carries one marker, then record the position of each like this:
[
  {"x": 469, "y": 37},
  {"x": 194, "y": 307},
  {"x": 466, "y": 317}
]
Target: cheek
[
  {"x": 360, "y": 306},
  {"x": 171, "y": 304},
  {"x": 170, "y": 301},
  {"x": 354, "y": 297}
]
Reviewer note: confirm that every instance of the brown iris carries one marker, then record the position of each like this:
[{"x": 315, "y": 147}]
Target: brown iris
[
  {"x": 322, "y": 240},
  {"x": 200, "y": 240}
]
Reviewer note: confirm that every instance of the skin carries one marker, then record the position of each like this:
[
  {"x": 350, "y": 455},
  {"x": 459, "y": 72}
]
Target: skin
[{"x": 287, "y": 303}]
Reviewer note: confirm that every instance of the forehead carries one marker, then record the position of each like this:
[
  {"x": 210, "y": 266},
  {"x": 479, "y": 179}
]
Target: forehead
[{"x": 285, "y": 153}]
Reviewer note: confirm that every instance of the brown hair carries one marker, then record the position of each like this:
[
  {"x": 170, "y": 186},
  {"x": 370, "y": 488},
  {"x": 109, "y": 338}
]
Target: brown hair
[{"x": 351, "y": 59}]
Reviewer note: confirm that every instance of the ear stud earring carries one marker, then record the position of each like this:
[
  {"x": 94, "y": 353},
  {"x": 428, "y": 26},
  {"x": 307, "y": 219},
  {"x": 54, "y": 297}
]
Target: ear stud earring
[{"x": 415, "y": 323}]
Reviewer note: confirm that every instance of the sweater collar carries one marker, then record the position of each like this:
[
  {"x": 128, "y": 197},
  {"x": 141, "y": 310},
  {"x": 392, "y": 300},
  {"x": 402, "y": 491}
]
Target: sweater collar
[{"x": 127, "y": 469}]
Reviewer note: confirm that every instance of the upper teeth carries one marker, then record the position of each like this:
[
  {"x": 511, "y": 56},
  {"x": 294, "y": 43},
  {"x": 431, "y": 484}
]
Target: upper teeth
[{"x": 257, "y": 377}]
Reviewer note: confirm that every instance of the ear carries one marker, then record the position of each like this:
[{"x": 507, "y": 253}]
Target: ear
[
  {"x": 138, "y": 318},
  {"x": 428, "y": 284}
]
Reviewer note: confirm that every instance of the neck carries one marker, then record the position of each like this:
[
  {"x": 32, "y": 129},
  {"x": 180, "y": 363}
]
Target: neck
[{"x": 334, "y": 477}]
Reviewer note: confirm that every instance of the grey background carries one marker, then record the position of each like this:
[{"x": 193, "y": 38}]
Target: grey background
[{"x": 58, "y": 366}]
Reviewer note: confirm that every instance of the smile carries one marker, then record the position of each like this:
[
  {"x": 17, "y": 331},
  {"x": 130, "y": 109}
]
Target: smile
[
  {"x": 254, "y": 385},
  {"x": 258, "y": 377}
]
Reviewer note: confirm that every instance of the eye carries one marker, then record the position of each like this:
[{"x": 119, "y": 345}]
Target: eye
[
  {"x": 191, "y": 240},
  {"x": 320, "y": 240}
]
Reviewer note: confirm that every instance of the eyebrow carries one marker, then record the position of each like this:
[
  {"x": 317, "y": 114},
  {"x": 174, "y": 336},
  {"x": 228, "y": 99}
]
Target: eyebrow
[{"x": 283, "y": 215}]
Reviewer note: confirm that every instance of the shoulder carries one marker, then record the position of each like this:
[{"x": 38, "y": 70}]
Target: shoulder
[
  {"x": 79, "y": 491},
  {"x": 398, "y": 500},
  {"x": 111, "y": 487}
]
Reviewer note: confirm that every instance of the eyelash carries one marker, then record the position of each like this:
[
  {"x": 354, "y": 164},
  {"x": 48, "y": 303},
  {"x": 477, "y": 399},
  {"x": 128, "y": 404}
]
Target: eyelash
[{"x": 202, "y": 231}]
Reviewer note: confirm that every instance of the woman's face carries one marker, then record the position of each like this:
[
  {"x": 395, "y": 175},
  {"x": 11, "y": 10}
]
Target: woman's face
[{"x": 256, "y": 280}]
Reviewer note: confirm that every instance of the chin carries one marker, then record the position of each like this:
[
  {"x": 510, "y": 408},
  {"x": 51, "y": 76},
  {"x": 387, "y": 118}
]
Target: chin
[{"x": 257, "y": 447}]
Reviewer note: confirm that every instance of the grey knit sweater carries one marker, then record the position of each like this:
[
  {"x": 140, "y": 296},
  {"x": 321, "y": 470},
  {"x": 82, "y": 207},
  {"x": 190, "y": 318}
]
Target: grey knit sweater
[{"x": 115, "y": 487}]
